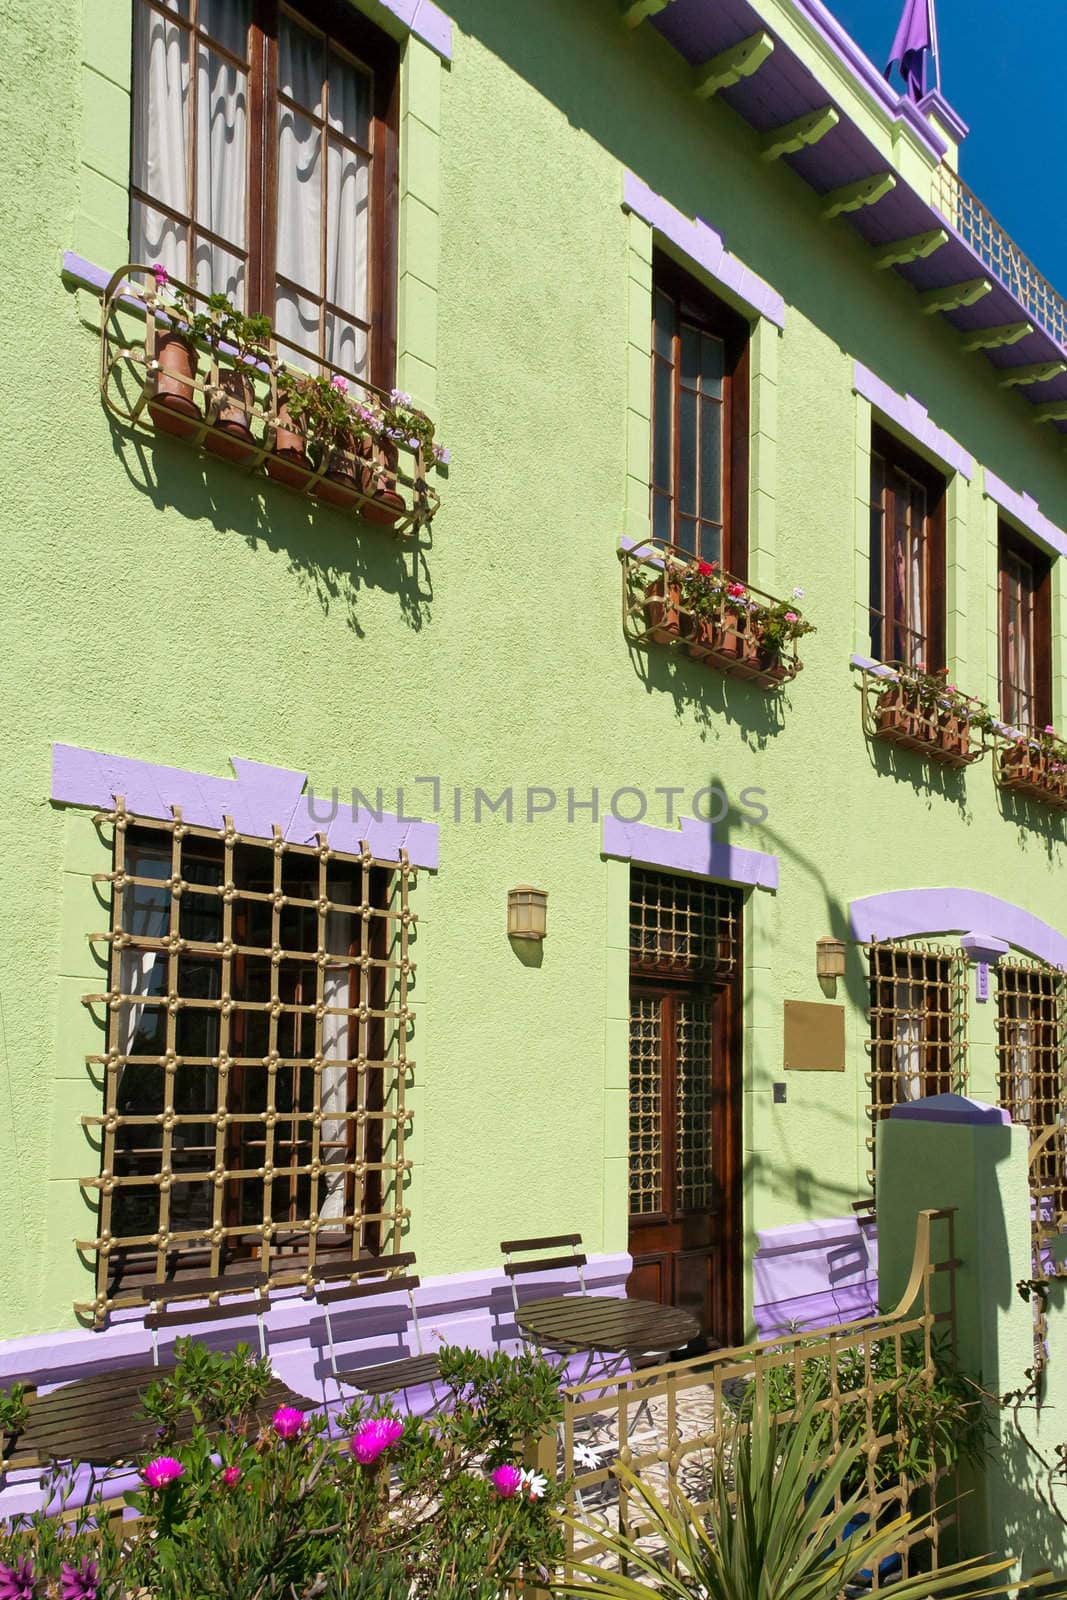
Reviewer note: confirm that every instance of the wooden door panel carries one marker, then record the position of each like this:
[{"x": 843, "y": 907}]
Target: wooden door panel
[{"x": 683, "y": 1166}]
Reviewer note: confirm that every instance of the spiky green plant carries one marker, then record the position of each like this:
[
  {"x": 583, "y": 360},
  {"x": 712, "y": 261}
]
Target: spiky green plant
[{"x": 773, "y": 1530}]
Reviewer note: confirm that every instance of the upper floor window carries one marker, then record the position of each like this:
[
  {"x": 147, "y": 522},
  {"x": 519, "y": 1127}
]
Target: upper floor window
[
  {"x": 907, "y": 585},
  {"x": 264, "y": 166},
  {"x": 1024, "y": 631},
  {"x": 699, "y": 469}
]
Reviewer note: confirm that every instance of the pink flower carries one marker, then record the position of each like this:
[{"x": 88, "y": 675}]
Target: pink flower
[
  {"x": 507, "y": 1481},
  {"x": 78, "y": 1583},
  {"x": 161, "y": 1471},
  {"x": 230, "y": 1476},
  {"x": 791, "y": 616},
  {"x": 161, "y": 275},
  {"x": 339, "y": 383},
  {"x": 735, "y": 590},
  {"x": 374, "y": 1436},
  {"x": 16, "y": 1583},
  {"x": 1049, "y": 728},
  {"x": 287, "y": 1422}
]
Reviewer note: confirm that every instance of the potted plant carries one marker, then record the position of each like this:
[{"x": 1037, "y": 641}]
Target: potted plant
[
  {"x": 172, "y": 403},
  {"x": 402, "y": 423},
  {"x": 777, "y": 626},
  {"x": 247, "y": 340},
  {"x": 663, "y": 602},
  {"x": 287, "y": 461}
]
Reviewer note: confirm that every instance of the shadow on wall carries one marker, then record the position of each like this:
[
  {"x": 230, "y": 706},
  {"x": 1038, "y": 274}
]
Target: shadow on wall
[
  {"x": 710, "y": 698},
  {"x": 333, "y": 555}
]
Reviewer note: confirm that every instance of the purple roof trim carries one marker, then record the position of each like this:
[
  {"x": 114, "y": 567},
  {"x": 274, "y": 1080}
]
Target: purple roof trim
[
  {"x": 866, "y": 73},
  {"x": 256, "y": 797},
  {"x": 690, "y": 849},
  {"x": 703, "y": 245},
  {"x": 905, "y": 913},
  {"x": 1025, "y": 509},
  {"x": 951, "y": 1108},
  {"x": 934, "y": 104},
  {"x": 913, "y": 417},
  {"x": 428, "y": 23}
]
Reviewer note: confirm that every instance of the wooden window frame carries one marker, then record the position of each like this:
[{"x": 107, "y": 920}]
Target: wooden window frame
[
  {"x": 712, "y": 315},
  {"x": 888, "y": 448},
  {"x": 1013, "y": 545},
  {"x": 352, "y": 35}
]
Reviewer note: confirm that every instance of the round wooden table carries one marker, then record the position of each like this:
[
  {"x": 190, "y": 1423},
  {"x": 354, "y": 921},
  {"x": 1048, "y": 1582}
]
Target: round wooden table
[{"x": 604, "y": 1322}]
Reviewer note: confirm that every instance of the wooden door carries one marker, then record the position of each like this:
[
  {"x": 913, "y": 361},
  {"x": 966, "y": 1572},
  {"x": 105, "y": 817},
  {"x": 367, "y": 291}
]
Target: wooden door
[{"x": 684, "y": 1167}]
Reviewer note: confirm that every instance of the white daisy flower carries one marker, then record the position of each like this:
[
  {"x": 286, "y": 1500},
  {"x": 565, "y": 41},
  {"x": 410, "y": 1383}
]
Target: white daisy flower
[
  {"x": 586, "y": 1456},
  {"x": 534, "y": 1484}
]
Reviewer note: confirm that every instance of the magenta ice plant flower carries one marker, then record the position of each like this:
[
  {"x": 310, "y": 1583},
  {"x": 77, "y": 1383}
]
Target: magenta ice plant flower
[
  {"x": 161, "y": 1471},
  {"x": 287, "y": 1422},
  {"x": 80, "y": 1582},
  {"x": 506, "y": 1480},
  {"x": 230, "y": 1476},
  {"x": 17, "y": 1583},
  {"x": 373, "y": 1437}
]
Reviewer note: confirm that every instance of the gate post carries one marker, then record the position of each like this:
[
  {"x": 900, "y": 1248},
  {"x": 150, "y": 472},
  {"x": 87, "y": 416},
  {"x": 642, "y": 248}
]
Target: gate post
[{"x": 951, "y": 1152}]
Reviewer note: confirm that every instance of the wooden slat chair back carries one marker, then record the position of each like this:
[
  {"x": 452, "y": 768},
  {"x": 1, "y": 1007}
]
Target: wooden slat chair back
[
  {"x": 388, "y": 1277},
  {"x": 576, "y": 1260},
  {"x": 227, "y": 1299}
]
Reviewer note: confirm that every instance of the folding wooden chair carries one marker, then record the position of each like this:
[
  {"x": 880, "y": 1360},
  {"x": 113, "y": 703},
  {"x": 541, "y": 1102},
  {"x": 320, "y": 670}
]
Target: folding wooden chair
[
  {"x": 387, "y": 1377},
  {"x": 242, "y": 1295}
]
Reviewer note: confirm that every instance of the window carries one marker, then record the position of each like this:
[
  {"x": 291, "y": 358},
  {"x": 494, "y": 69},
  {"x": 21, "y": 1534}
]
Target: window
[
  {"x": 1030, "y": 1002},
  {"x": 1024, "y": 633},
  {"x": 918, "y": 1010},
  {"x": 699, "y": 470},
  {"x": 253, "y": 1109},
  {"x": 264, "y": 166},
  {"x": 907, "y": 585}
]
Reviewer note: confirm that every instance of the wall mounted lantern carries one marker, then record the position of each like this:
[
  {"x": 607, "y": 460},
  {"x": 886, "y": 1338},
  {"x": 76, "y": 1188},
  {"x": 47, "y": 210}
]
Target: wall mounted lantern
[
  {"x": 830, "y": 958},
  {"x": 527, "y": 912}
]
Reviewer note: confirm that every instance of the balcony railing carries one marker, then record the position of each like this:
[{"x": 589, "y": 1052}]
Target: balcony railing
[
  {"x": 166, "y": 366},
  {"x": 961, "y": 207},
  {"x": 923, "y": 715},
  {"x": 1031, "y": 765},
  {"x": 668, "y": 598}
]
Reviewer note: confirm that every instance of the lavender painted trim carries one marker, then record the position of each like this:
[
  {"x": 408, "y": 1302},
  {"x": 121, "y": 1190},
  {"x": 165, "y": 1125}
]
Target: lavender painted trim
[
  {"x": 913, "y": 417},
  {"x": 983, "y": 948},
  {"x": 693, "y": 848},
  {"x": 257, "y": 797},
  {"x": 934, "y": 104},
  {"x": 84, "y": 272},
  {"x": 956, "y": 1108},
  {"x": 703, "y": 245},
  {"x": 877, "y": 669},
  {"x": 863, "y": 69},
  {"x": 906, "y": 913},
  {"x": 1025, "y": 509}
]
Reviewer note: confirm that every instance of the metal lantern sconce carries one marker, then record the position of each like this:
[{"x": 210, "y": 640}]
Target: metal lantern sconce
[
  {"x": 527, "y": 912},
  {"x": 829, "y": 964},
  {"x": 830, "y": 958}
]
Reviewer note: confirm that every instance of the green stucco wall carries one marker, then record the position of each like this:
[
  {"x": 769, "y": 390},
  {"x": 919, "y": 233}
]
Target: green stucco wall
[{"x": 162, "y": 607}]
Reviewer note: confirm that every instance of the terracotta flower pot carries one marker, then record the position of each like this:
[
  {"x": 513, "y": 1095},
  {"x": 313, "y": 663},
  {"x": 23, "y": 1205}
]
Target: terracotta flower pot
[
  {"x": 703, "y": 632},
  {"x": 342, "y": 481},
  {"x": 173, "y": 405},
  {"x": 892, "y": 715},
  {"x": 234, "y": 417},
  {"x": 379, "y": 481},
  {"x": 732, "y": 634},
  {"x": 662, "y": 601},
  {"x": 287, "y": 462}
]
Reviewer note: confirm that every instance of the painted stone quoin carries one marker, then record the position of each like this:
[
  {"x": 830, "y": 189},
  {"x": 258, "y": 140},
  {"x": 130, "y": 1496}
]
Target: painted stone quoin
[{"x": 498, "y": 500}]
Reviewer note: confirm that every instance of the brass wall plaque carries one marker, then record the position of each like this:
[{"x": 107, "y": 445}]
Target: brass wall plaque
[{"x": 814, "y": 1036}]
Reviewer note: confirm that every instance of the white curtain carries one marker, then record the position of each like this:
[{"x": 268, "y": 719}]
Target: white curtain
[
  {"x": 161, "y": 137},
  {"x": 334, "y": 1085},
  {"x": 146, "y": 915},
  {"x": 302, "y": 191},
  {"x": 1021, "y": 1045},
  {"x": 908, "y": 1047},
  {"x": 160, "y": 157}
]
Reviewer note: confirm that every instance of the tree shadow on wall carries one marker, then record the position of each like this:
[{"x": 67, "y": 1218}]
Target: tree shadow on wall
[
  {"x": 1036, "y": 825},
  {"x": 333, "y": 555}
]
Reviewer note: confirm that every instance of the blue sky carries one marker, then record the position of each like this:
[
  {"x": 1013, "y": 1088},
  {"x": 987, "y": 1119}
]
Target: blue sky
[{"x": 1003, "y": 70}]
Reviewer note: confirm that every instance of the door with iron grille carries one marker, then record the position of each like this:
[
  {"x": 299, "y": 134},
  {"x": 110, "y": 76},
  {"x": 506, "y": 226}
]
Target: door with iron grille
[{"x": 684, "y": 1112}]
